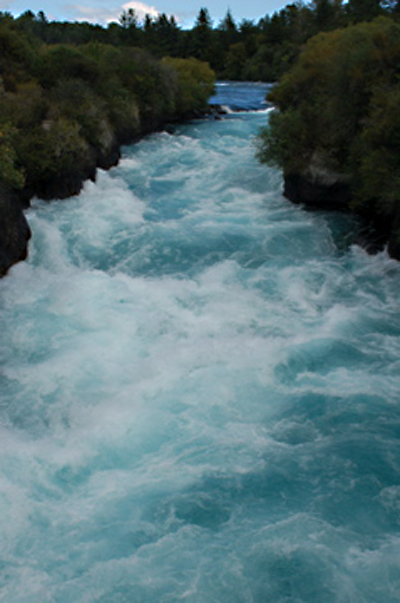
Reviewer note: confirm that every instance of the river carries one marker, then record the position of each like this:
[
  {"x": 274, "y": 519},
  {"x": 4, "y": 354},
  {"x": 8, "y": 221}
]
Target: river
[{"x": 199, "y": 388}]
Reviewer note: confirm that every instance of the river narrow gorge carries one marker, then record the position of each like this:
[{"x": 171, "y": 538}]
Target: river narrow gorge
[{"x": 199, "y": 387}]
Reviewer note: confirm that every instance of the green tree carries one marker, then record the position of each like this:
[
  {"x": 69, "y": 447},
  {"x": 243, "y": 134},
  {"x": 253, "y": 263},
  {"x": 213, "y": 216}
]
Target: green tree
[
  {"x": 228, "y": 31},
  {"x": 363, "y": 10},
  {"x": 201, "y": 36},
  {"x": 236, "y": 61},
  {"x": 338, "y": 113},
  {"x": 128, "y": 19},
  {"x": 195, "y": 84},
  {"x": 11, "y": 177}
]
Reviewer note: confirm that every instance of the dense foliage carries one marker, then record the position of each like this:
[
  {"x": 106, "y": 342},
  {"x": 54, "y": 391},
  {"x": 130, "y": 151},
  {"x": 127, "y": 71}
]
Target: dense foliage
[
  {"x": 72, "y": 93},
  {"x": 339, "y": 112},
  {"x": 243, "y": 50},
  {"x": 64, "y": 109},
  {"x": 340, "y": 103}
]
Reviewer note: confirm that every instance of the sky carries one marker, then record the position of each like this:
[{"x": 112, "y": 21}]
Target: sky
[{"x": 105, "y": 11}]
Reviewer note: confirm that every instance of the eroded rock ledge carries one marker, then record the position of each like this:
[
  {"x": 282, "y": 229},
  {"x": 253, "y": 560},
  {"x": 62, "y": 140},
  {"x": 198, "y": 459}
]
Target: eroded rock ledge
[
  {"x": 316, "y": 192},
  {"x": 321, "y": 188},
  {"x": 14, "y": 231}
]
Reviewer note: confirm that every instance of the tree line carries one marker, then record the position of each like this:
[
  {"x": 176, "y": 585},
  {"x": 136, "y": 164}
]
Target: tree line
[{"x": 243, "y": 50}]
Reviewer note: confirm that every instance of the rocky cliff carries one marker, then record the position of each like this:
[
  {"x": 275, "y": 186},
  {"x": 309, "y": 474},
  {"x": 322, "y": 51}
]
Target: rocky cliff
[
  {"x": 327, "y": 190},
  {"x": 14, "y": 231}
]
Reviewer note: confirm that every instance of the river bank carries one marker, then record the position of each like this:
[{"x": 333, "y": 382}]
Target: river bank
[
  {"x": 14, "y": 229},
  {"x": 73, "y": 118},
  {"x": 335, "y": 131},
  {"x": 327, "y": 191}
]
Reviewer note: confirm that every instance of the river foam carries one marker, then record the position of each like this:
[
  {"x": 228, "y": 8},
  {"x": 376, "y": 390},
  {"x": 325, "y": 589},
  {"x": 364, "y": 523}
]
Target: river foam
[{"x": 199, "y": 390}]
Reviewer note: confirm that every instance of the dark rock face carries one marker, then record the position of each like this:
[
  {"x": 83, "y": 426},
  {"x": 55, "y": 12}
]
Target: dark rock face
[
  {"x": 216, "y": 110},
  {"x": 333, "y": 194},
  {"x": 62, "y": 186},
  {"x": 394, "y": 238},
  {"x": 109, "y": 158},
  {"x": 329, "y": 191},
  {"x": 14, "y": 231}
]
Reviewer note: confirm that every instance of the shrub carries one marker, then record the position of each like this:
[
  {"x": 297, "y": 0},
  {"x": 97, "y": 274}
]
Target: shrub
[
  {"x": 340, "y": 102},
  {"x": 10, "y": 176},
  {"x": 195, "y": 83},
  {"x": 53, "y": 149}
]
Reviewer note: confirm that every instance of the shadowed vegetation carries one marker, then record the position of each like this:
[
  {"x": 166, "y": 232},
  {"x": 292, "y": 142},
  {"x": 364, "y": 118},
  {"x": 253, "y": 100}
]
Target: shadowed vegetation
[{"x": 338, "y": 113}]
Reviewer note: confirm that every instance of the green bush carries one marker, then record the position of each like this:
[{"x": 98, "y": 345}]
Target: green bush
[
  {"x": 341, "y": 102},
  {"x": 74, "y": 100},
  {"x": 64, "y": 108},
  {"x": 24, "y": 108},
  {"x": 53, "y": 149},
  {"x": 195, "y": 83},
  {"x": 376, "y": 156},
  {"x": 10, "y": 176},
  {"x": 65, "y": 62}
]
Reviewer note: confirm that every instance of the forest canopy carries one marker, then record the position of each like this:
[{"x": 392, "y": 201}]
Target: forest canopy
[
  {"x": 236, "y": 50},
  {"x": 65, "y": 109}
]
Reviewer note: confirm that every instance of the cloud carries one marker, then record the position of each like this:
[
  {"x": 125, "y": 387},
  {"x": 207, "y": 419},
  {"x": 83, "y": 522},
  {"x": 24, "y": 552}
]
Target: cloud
[
  {"x": 88, "y": 13},
  {"x": 141, "y": 9},
  {"x": 103, "y": 15}
]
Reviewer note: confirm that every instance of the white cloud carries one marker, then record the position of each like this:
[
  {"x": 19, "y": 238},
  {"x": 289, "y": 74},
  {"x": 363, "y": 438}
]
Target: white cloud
[
  {"x": 88, "y": 13},
  {"x": 141, "y": 9},
  {"x": 103, "y": 15}
]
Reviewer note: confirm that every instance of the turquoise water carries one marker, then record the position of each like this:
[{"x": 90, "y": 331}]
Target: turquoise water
[{"x": 199, "y": 390}]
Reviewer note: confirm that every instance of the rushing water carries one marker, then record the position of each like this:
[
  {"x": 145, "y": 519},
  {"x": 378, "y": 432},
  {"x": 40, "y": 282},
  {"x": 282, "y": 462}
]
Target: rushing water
[{"x": 199, "y": 389}]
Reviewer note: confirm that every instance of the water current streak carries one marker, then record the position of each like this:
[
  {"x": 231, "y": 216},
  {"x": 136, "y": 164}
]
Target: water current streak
[{"x": 199, "y": 389}]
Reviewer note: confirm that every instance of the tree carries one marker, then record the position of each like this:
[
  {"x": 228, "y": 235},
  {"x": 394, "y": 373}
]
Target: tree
[
  {"x": 324, "y": 12},
  {"x": 10, "y": 176},
  {"x": 338, "y": 113},
  {"x": 363, "y": 10},
  {"x": 236, "y": 61},
  {"x": 203, "y": 21},
  {"x": 228, "y": 23},
  {"x": 228, "y": 31},
  {"x": 201, "y": 36},
  {"x": 128, "y": 19}
]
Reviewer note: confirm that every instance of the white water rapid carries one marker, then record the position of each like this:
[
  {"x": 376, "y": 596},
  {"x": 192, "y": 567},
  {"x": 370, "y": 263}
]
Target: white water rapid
[{"x": 199, "y": 388}]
